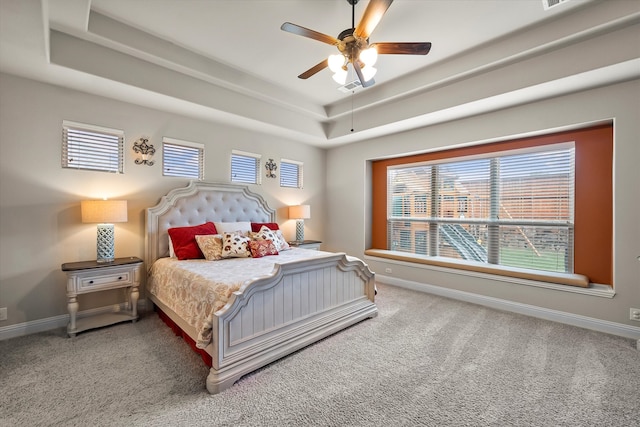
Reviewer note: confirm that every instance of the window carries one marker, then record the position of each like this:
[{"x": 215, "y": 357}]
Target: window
[
  {"x": 290, "y": 173},
  {"x": 513, "y": 209},
  {"x": 245, "y": 167},
  {"x": 92, "y": 147},
  {"x": 182, "y": 158},
  {"x": 511, "y": 201}
]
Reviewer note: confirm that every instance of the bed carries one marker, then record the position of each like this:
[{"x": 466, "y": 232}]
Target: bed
[{"x": 301, "y": 297}]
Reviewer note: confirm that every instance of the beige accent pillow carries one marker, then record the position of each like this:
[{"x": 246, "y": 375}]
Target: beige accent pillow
[{"x": 211, "y": 246}]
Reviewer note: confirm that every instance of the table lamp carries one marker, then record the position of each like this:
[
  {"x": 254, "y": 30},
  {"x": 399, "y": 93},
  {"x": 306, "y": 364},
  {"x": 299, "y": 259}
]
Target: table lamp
[
  {"x": 300, "y": 213},
  {"x": 105, "y": 213}
]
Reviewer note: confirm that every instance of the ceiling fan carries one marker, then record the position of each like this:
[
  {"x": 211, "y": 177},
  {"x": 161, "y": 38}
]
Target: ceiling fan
[{"x": 354, "y": 47}]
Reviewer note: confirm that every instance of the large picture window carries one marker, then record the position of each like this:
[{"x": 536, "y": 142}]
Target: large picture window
[
  {"x": 513, "y": 209},
  {"x": 540, "y": 204}
]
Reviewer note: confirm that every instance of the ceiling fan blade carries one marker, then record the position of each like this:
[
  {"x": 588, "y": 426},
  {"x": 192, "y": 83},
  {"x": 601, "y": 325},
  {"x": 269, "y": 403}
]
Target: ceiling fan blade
[
  {"x": 402, "y": 48},
  {"x": 356, "y": 67},
  {"x": 311, "y": 71},
  {"x": 371, "y": 17},
  {"x": 305, "y": 32}
]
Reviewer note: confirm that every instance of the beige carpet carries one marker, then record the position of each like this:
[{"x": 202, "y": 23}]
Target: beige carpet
[{"x": 424, "y": 361}]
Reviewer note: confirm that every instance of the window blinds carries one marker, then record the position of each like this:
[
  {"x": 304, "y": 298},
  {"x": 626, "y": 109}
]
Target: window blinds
[
  {"x": 245, "y": 167},
  {"x": 92, "y": 147},
  {"x": 290, "y": 173},
  {"x": 182, "y": 158},
  {"x": 512, "y": 208}
]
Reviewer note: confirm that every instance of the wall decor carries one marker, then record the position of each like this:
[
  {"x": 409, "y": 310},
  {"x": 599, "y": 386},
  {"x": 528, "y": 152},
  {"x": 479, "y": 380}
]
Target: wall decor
[
  {"x": 271, "y": 166},
  {"x": 146, "y": 150}
]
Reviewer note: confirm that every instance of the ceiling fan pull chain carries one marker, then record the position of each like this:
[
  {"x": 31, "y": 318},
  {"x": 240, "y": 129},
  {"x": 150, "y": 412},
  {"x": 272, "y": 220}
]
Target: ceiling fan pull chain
[{"x": 352, "y": 92}]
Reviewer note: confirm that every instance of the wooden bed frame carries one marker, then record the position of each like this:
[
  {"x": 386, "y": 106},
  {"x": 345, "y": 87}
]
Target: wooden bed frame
[{"x": 269, "y": 317}]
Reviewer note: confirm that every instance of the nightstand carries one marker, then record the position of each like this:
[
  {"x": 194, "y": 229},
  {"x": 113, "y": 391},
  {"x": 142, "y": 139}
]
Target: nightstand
[
  {"x": 90, "y": 276},
  {"x": 306, "y": 244}
]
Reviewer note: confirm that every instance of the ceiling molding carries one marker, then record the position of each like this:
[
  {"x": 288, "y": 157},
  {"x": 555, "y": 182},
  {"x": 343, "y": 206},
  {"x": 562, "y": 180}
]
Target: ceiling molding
[{"x": 82, "y": 46}]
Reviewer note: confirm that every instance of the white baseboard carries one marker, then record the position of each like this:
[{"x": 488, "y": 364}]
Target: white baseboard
[
  {"x": 605, "y": 326},
  {"x": 41, "y": 325}
]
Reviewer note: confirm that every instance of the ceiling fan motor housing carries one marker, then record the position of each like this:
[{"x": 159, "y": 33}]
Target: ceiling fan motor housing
[{"x": 350, "y": 45}]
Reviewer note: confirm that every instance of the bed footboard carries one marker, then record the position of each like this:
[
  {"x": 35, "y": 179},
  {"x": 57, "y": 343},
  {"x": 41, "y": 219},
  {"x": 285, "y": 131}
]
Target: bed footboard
[{"x": 297, "y": 305}]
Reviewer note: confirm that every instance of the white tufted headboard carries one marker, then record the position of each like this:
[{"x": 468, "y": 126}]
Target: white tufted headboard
[{"x": 198, "y": 203}]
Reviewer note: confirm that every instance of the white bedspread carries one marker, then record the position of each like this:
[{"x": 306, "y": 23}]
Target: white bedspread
[{"x": 196, "y": 289}]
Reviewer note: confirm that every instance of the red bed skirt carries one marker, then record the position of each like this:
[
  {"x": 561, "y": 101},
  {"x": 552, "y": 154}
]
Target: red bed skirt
[{"x": 206, "y": 357}]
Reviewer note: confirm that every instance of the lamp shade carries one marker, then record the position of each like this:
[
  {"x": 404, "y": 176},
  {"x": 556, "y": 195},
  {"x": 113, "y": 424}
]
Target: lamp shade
[
  {"x": 104, "y": 211},
  {"x": 368, "y": 72},
  {"x": 340, "y": 76},
  {"x": 336, "y": 62},
  {"x": 369, "y": 56},
  {"x": 300, "y": 212}
]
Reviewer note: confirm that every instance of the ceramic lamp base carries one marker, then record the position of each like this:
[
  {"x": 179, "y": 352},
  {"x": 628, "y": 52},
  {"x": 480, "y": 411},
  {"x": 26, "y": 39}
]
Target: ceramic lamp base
[
  {"x": 300, "y": 230},
  {"x": 105, "y": 243}
]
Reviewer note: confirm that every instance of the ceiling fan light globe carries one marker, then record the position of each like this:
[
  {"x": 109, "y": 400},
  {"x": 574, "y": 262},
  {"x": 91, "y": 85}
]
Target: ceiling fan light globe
[
  {"x": 369, "y": 56},
  {"x": 368, "y": 72},
  {"x": 336, "y": 62},
  {"x": 340, "y": 77}
]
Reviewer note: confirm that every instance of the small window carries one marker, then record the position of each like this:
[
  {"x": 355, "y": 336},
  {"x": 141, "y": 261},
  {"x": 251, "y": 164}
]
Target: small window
[
  {"x": 245, "y": 167},
  {"x": 92, "y": 147},
  {"x": 290, "y": 173},
  {"x": 182, "y": 158}
]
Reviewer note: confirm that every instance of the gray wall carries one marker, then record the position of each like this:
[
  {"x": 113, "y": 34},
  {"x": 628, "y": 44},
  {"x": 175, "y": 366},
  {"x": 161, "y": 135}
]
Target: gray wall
[
  {"x": 40, "y": 225},
  {"x": 350, "y": 204},
  {"x": 590, "y": 76}
]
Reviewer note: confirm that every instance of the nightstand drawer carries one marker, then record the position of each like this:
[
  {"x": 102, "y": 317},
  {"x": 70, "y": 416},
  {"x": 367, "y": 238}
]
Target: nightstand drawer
[{"x": 108, "y": 280}]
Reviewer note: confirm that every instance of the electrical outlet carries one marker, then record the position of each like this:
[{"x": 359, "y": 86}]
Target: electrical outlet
[
  {"x": 3, "y": 313},
  {"x": 634, "y": 314}
]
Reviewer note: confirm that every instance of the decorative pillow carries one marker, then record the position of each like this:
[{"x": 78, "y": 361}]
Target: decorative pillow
[
  {"x": 274, "y": 235},
  {"x": 211, "y": 246},
  {"x": 281, "y": 242},
  {"x": 265, "y": 233},
  {"x": 235, "y": 245},
  {"x": 184, "y": 242},
  {"x": 230, "y": 227},
  {"x": 260, "y": 248},
  {"x": 256, "y": 226}
]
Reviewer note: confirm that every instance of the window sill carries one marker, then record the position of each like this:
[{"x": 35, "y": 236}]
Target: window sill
[{"x": 560, "y": 281}]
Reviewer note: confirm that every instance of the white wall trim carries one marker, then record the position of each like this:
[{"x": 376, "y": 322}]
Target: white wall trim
[
  {"x": 605, "y": 326},
  {"x": 61, "y": 321}
]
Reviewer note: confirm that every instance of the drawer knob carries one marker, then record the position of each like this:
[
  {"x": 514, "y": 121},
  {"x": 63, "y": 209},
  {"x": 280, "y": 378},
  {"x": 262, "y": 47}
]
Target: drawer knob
[
  {"x": 120, "y": 278},
  {"x": 90, "y": 281}
]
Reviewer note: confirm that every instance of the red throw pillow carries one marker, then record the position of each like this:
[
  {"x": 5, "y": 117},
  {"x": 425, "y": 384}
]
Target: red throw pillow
[
  {"x": 184, "y": 241},
  {"x": 256, "y": 226},
  {"x": 260, "y": 248}
]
